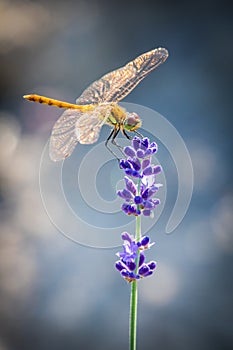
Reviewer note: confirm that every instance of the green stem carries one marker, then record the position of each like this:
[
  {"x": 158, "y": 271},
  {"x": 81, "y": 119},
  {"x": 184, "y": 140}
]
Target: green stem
[
  {"x": 133, "y": 315},
  {"x": 138, "y": 228},
  {"x": 134, "y": 290}
]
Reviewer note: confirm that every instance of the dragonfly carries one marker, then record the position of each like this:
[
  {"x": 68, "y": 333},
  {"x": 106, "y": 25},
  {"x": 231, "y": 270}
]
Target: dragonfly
[{"x": 98, "y": 105}]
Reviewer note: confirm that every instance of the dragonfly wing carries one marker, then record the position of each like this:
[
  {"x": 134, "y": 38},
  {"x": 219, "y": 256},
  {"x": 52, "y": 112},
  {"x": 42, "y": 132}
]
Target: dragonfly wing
[
  {"x": 89, "y": 125},
  {"x": 63, "y": 137},
  {"x": 115, "y": 85}
]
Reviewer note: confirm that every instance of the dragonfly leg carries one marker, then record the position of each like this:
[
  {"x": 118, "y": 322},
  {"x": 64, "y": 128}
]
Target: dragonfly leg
[
  {"x": 115, "y": 143},
  {"x": 138, "y": 133},
  {"x": 111, "y": 137},
  {"x": 131, "y": 137},
  {"x": 126, "y": 135}
]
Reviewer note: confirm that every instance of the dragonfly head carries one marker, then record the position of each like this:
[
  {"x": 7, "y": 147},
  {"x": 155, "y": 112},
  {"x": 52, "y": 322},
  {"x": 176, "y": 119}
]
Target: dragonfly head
[{"x": 132, "y": 122}]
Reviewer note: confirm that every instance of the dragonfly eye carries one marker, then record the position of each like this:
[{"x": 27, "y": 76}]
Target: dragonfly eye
[{"x": 132, "y": 122}]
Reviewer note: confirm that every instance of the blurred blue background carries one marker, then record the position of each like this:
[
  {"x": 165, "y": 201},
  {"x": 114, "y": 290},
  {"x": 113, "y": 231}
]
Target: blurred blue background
[{"x": 55, "y": 294}]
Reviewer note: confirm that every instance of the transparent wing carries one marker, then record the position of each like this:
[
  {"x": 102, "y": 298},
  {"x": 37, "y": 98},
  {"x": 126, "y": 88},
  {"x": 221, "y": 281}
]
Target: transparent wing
[
  {"x": 89, "y": 125},
  {"x": 116, "y": 85},
  {"x": 74, "y": 126},
  {"x": 63, "y": 137}
]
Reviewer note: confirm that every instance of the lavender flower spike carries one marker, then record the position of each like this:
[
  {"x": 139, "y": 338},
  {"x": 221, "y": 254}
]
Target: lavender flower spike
[
  {"x": 127, "y": 265},
  {"x": 138, "y": 166}
]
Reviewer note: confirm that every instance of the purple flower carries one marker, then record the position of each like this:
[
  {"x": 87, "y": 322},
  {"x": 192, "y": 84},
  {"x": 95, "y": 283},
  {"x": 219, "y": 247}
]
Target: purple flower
[
  {"x": 140, "y": 200},
  {"x": 141, "y": 147},
  {"x": 132, "y": 264},
  {"x": 137, "y": 203}
]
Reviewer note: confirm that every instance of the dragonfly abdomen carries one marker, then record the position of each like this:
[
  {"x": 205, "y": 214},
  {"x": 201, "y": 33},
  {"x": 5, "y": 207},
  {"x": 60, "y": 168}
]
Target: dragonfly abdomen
[{"x": 57, "y": 103}]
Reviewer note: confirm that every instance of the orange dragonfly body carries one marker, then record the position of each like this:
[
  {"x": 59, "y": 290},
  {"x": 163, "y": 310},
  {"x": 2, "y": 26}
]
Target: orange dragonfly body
[{"x": 97, "y": 105}]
